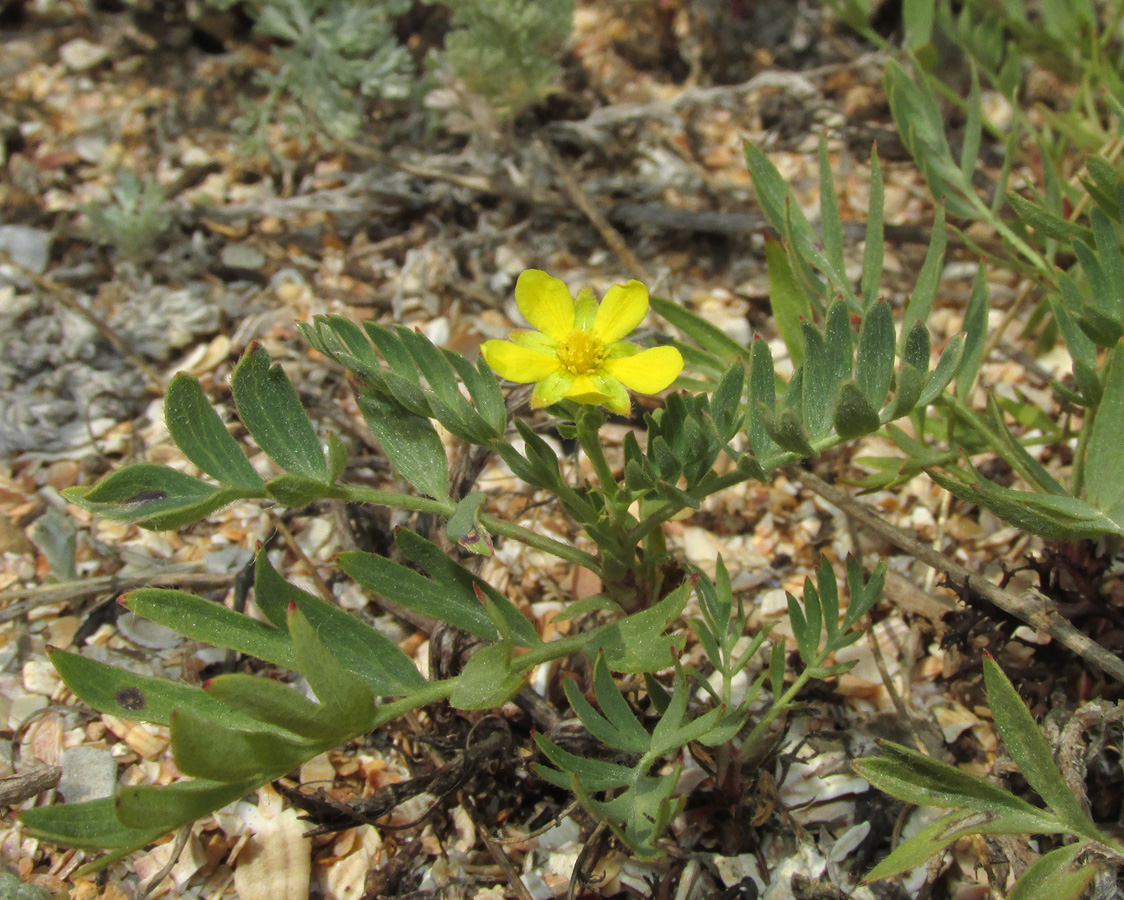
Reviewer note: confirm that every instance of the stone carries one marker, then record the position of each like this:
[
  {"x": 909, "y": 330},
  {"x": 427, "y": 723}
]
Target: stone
[
  {"x": 80, "y": 55},
  {"x": 88, "y": 773}
]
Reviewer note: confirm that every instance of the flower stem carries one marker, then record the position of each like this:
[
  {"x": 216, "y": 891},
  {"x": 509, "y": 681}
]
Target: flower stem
[{"x": 588, "y": 421}]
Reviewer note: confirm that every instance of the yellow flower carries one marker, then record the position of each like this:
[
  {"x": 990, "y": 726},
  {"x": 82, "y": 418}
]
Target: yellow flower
[{"x": 577, "y": 352}]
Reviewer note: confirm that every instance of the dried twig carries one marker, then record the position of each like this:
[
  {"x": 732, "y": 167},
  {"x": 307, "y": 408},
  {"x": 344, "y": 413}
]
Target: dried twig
[
  {"x": 18, "y": 601},
  {"x": 25, "y": 785},
  {"x": 583, "y": 202},
  {"x": 495, "y": 850},
  {"x": 1033, "y": 607}
]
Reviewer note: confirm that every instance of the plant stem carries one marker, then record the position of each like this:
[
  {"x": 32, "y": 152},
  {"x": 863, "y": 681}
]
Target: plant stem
[
  {"x": 491, "y": 523},
  {"x": 396, "y": 499},
  {"x": 564, "y": 551}
]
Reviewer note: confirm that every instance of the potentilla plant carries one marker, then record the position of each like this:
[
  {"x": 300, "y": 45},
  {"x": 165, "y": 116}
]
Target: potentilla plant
[{"x": 239, "y": 731}]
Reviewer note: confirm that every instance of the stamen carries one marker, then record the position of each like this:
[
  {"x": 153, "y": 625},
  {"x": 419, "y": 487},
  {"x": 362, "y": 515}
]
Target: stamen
[{"x": 581, "y": 352}]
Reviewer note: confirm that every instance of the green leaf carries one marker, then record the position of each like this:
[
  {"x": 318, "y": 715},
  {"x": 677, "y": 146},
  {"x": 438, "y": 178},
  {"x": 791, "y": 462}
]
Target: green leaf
[
  {"x": 210, "y": 622},
  {"x": 789, "y": 303},
  {"x": 787, "y": 431},
  {"x": 617, "y": 709},
  {"x": 946, "y": 369},
  {"x": 975, "y": 330},
  {"x": 702, "y": 332},
  {"x": 830, "y": 224},
  {"x": 297, "y": 492},
  {"x": 595, "y": 774},
  {"x": 486, "y": 681},
  {"x": 1023, "y": 740},
  {"x": 784, "y": 213},
  {"x": 973, "y": 126},
  {"x": 726, "y": 402},
  {"x": 410, "y": 442},
  {"x": 1054, "y": 875},
  {"x": 413, "y": 590},
  {"x": 271, "y": 410},
  {"x": 873, "y": 253},
  {"x": 637, "y": 643},
  {"x": 924, "y": 781},
  {"x": 907, "y": 391},
  {"x": 874, "y": 364},
  {"x": 344, "y": 696},
  {"x": 113, "y": 690},
  {"x": 1044, "y": 222},
  {"x": 337, "y": 457},
  {"x": 436, "y": 563},
  {"x": 762, "y": 396},
  {"x": 88, "y": 826},
  {"x": 364, "y": 651},
  {"x": 918, "y": 17},
  {"x": 919, "y": 306},
  {"x": 776, "y": 669},
  {"x": 1104, "y": 461},
  {"x": 862, "y": 596},
  {"x": 463, "y": 519},
  {"x": 619, "y": 728},
  {"x": 938, "y": 835},
  {"x": 854, "y": 416},
  {"x": 1047, "y": 515},
  {"x": 202, "y": 437},
  {"x": 203, "y": 749},
  {"x": 163, "y": 809},
  {"x": 155, "y": 497},
  {"x": 916, "y": 349},
  {"x": 275, "y": 703}
]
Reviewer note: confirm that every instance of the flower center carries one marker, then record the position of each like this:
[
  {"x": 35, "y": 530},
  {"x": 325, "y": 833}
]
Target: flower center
[{"x": 581, "y": 352}]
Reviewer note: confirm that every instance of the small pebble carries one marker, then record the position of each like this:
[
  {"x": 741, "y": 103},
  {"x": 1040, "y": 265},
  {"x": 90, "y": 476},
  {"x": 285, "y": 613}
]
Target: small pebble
[
  {"x": 80, "y": 55},
  {"x": 88, "y": 773}
]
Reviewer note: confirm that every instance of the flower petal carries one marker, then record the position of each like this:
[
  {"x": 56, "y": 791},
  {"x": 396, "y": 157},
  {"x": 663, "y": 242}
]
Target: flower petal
[
  {"x": 546, "y": 303},
  {"x": 623, "y": 308},
  {"x": 647, "y": 372},
  {"x": 551, "y": 389},
  {"x": 585, "y": 309},
  {"x": 534, "y": 340},
  {"x": 516, "y": 363}
]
